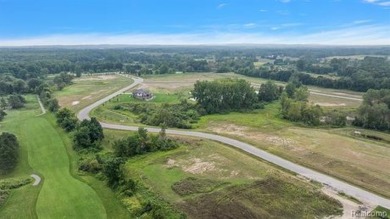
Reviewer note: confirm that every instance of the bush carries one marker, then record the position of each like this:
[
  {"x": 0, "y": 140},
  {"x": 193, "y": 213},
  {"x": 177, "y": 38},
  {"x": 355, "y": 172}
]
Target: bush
[{"x": 9, "y": 152}]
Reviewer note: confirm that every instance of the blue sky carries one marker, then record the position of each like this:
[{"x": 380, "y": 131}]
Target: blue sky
[{"x": 75, "y": 22}]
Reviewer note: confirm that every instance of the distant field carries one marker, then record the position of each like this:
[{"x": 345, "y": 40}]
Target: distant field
[
  {"x": 360, "y": 57},
  {"x": 204, "y": 178},
  {"x": 184, "y": 83},
  {"x": 88, "y": 89}
]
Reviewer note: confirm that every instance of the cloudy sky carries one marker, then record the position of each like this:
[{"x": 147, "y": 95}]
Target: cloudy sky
[{"x": 178, "y": 22}]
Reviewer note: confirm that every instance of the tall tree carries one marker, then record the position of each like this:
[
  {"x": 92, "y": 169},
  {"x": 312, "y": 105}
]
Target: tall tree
[{"x": 9, "y": 152}]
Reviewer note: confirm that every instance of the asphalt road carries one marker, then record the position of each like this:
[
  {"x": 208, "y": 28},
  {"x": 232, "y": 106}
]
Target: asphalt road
[{"x": 337, "y": 184}]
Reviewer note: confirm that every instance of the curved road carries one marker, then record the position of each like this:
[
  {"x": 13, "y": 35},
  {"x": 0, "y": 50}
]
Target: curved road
[{"x": 298, "y": 169}]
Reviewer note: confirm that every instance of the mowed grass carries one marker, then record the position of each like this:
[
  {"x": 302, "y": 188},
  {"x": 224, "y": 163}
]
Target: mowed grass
[
  {"x": 43, "y": 152},
  {"x": 205, "y": 179},
  {"x": 88, "y": 89},
  {"x": 267, "y": 119},
  {"x": 61, "y": 196},
  {"x": 21, "y": 202}
]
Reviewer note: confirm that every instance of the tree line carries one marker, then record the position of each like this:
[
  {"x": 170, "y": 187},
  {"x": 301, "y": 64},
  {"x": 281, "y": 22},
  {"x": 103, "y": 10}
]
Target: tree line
[{"x": 374, "y": 112}]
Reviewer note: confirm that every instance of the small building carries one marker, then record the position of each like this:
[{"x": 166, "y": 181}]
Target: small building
[{"x": 142, "y": 94}]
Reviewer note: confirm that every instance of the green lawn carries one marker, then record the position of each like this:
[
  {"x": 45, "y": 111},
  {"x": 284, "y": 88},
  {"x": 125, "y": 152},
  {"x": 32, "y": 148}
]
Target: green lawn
[
  {"x": 61, "y": 195},
  {"x": 43, "y": 151}
]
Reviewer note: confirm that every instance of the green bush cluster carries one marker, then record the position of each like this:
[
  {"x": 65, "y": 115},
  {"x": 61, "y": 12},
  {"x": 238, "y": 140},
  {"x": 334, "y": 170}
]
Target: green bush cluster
[{"x": 180, "y": 115}]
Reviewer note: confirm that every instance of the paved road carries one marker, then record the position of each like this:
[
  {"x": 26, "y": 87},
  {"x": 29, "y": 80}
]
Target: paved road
[{"x": 298, "y": 169}]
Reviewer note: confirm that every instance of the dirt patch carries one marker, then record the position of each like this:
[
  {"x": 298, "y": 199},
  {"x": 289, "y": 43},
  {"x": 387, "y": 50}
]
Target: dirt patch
[
  {"x": 330, "y": 104},
  {"x": 349, "y": 206},
  {"x": 230, "y": 129},
  {"x": 241, "y": 131},
  {"x": 87, "y": 97},
  {"x": 198, "y": 166},
  {"x": 171, "y": 163},
  {"x": 75, "y": 103},
  {"x": 97, "y": 78}
]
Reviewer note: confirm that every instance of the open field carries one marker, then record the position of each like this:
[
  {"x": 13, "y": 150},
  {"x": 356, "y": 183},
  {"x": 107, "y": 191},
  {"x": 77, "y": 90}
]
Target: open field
[
  {"x": 324, "y": 150},
  {"x": 185, "y": 82},
  {"x": 205, "y": 179},
  {"x": 88, "y": 89},
  {"x": 336, "y": 152}
]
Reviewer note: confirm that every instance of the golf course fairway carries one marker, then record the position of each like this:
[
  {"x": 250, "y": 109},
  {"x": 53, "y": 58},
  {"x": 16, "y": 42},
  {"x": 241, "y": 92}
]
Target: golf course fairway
[{"x": 61, "y": 196}]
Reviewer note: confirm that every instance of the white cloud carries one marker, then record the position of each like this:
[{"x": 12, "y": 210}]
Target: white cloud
[
  {"x": 384, "y": 3},
  {"x": 357, "y": 35},
  {"x": 361, "y": 21},
  {"x": 222, "y": 5},
  {"x": 250, "y": 25}
]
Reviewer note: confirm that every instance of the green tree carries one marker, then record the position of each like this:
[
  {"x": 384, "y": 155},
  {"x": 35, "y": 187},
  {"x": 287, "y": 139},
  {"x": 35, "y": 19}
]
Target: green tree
[
  {"x": 3, "y": 103},
  {"x": 113, "y": 172},
  {"x": 374, "y": 113},
  {"x": 269, "y": 92},
  {"x": 224, "y": 95},
  {"x": 88, "y": 135},
  {"x": 2, "y": 114},
  {"x": 16, "y": 101},
  {"x": 66, "y": 119},
  {"x": 301, "y": 93},
  {"x": 53, "y": 105},
  {"x": 9, "y": 152}
]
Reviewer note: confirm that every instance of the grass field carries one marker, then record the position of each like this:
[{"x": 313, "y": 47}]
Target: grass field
[
  {"x": 184, "y": 83},
  {"x": 205, "y": 179},
  {"x": 44, "y": 153},
  {"x": 336, "y": 152},
  {"x": 61, "y": 194},
  {"x": 88, "y": 89}
]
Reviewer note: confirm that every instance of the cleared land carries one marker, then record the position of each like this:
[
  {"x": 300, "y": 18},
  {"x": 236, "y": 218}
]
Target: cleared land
[
  {"x": 88, "y": 89},
  {"x": 205, "y": 179},
  {"x": 337, "y": 152}
]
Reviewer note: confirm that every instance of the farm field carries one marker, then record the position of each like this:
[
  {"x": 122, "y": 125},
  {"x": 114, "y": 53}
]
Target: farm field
[
  {"x": 206, "y": 179},
  {"x": 337, "y": 152},
  {"x": 88, "y": 89}
]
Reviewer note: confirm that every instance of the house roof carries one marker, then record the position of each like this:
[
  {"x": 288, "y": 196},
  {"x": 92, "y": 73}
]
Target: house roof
[{"x": 141, "y": 91}]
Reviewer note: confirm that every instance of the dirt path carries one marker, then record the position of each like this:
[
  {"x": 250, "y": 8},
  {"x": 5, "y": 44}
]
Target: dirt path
[
  {"x": 36, "y": 178},
  {"x": 349, "y": 207},
  {"x": 41, "y": 105}
]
